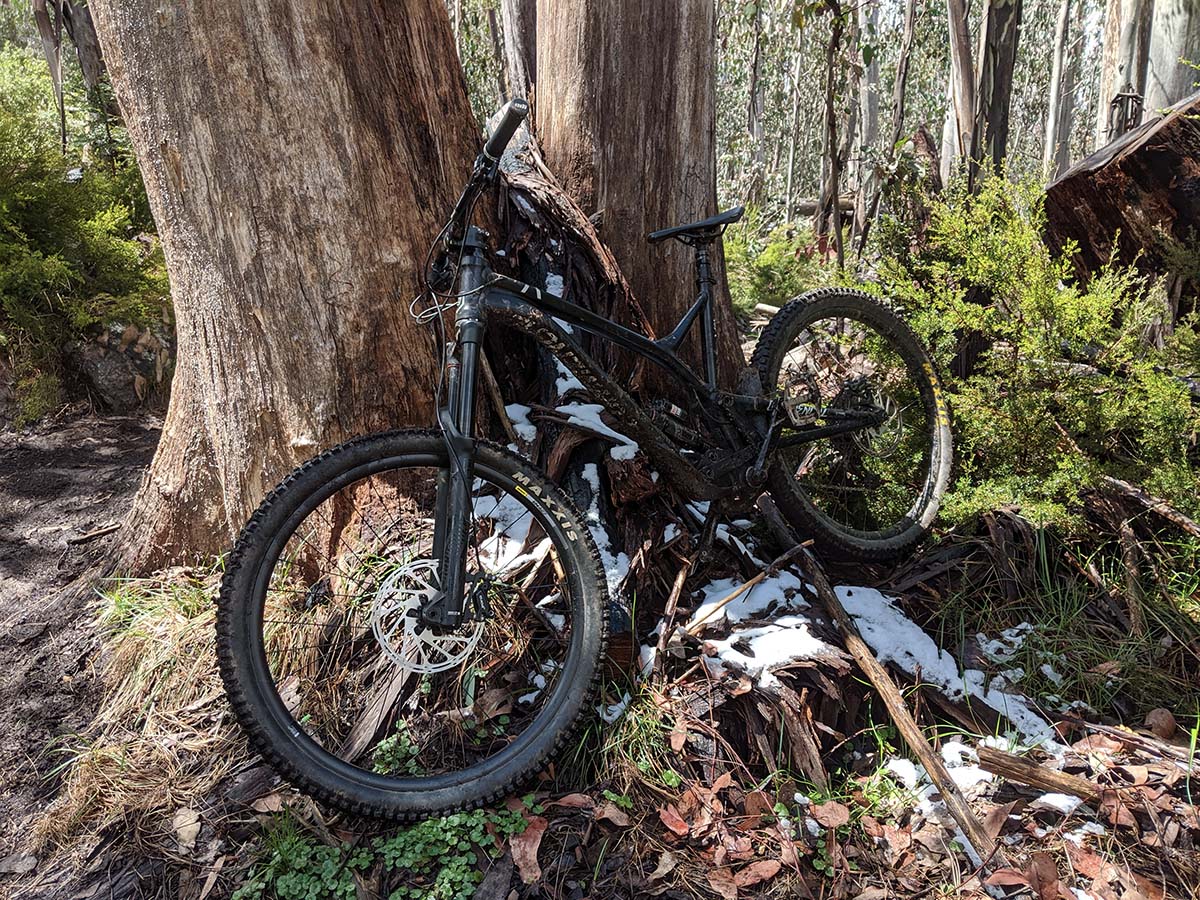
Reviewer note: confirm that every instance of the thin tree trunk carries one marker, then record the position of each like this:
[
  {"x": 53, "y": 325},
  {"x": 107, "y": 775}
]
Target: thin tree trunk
[
  {"x": 868, "y": 179},
  {"x": 1054, "y": 105},
  {"x": 999, "y": 34},
  {"x": 962, "y": 83},
  {"x": 640, "y": 158},
  {"x": 293, "y": 242},
  {"x": 754, "y": 113},
  {"x": 519, "y": 18},
  {"x": 790, "y": 192},
  {"x": 829, "y": 211},
  {"x": 502, "y": 90}
]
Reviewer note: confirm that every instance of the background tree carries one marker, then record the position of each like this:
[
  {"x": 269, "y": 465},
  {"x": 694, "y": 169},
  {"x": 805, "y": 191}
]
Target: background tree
[
  {"x": 293, "y": 241},
  {"x": 626, "y": 118}
]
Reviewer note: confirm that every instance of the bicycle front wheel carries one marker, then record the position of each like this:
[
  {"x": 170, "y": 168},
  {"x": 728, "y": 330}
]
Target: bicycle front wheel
[
  {"x": 872, "y": 493},
  {"x": 338, "y": 682}
]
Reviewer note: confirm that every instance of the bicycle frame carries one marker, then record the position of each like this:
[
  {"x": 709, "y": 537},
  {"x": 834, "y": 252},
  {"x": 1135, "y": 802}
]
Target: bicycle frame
[{"x": 747, "y": 425}]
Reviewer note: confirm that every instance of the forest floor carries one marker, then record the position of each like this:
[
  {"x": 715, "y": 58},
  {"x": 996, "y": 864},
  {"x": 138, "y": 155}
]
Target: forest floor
[
  {"x": 60, "y": 484},
  {"x": 696, "y": 785}
]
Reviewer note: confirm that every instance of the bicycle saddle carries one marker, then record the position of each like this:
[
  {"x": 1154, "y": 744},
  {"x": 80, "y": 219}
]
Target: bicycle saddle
[{"x": 704, "y": 229}]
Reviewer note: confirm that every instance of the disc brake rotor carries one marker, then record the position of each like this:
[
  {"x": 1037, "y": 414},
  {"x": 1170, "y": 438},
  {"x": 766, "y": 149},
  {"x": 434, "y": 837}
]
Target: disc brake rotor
[
  {"x": 403, "y": 636},
  {"x": 881, "y": 439}
]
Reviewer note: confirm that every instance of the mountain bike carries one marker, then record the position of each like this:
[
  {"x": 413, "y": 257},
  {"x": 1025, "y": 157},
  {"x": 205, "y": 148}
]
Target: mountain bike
[{"x": 413, "y": 622}]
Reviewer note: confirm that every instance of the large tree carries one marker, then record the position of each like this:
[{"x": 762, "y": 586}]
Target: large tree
[
  {"x": 626, "y": 117},
  {"x": 298, "y": 158}
]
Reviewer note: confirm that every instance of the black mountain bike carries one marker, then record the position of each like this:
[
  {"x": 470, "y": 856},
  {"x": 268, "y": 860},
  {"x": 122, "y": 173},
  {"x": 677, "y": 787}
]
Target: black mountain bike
[{"x": 413, "y": 622}]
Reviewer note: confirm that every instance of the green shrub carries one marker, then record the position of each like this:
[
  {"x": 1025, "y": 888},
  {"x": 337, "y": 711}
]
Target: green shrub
[
  {"x": 72, "y": 250},
  {"x": 1072, "y": 383},
  {"x": 771, "y": 268}
]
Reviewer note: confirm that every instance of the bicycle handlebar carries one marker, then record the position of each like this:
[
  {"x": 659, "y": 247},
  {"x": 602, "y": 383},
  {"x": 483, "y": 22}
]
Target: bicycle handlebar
[{"x": 512, "y": 115}]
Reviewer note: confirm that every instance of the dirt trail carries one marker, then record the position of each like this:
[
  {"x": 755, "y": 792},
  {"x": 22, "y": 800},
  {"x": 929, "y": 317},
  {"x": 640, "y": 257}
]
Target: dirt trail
[{"x": 58, "y": 483}]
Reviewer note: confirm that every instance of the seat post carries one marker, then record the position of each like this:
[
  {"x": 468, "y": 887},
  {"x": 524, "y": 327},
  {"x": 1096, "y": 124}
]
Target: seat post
[{"x": 708, "y": 338}]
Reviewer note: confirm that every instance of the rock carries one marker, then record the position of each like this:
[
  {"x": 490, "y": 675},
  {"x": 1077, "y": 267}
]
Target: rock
[
  {"x": 187, "y": 828},
  {"x": 18, "y": 864},
  {"x": 123, "y": 366},
  {"x": 1162, "y": 723}
]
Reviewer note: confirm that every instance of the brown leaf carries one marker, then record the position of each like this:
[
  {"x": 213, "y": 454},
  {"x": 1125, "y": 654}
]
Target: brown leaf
[
  {"x": 1043, "y": 875},
  {"x": 757, "y": 872},
  {"x": 612, "y": 812},
  {"x": 496, "y": 702},
  {"x": 273, "y": 802},
  {"x": 671, "y": 818},
  {"x": 724, "y": 780},
  {"x": 574, "y": 801},
  {"x": 1085, "y": 862},
  {"x": 1162, "y": 723},
  {"x": 757, "y": 805},
  {"x": 678, "y": 736},
  {"x": 831, "y": 814},
  {"x": 1116, "y": 811},
  {"x": 993, "y": 822},
  {"x": 525, "y": 849},
  {"x": 1007, "y": 877},
  {"x": 898, "y": 839},
  {"x": 721, "y": 881}
]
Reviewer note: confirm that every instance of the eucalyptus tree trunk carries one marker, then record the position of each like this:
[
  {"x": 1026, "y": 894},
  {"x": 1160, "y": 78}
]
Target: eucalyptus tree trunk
[
  {"x": 868, "y": 24},
  {"x": 999, "y": 35},
  {"x": 961, "y": 89},
  {"x": 1174, "y": 42},
  {"x": 626, "y": 105},
  {"x": 519, "y": 18},
  {"x": 298, "y": 159},
  {"x": 755, "y": 102},
  {"x": 1060, "y": 110},
  {"x": 1124, "y": 58}
]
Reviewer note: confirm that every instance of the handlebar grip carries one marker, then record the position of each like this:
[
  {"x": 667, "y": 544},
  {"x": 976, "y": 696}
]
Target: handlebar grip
[{"x": 512, "y": 114}]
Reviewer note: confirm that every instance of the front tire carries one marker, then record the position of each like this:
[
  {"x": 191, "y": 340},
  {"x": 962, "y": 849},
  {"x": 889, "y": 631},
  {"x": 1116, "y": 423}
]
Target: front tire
[
  {"x": 328, "y": 556},
  {"x": 866, "y": 496}
]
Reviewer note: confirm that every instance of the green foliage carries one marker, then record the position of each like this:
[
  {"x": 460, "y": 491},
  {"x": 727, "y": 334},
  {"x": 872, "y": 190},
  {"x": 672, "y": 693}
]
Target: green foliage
[
  {"x": 70, "y": 257},
  {"x": 1071, "y": 383},
  {"x": 771, "y": 268},
  {"x": 436, "y": 859},
  {"x": 397, "y": 753}
]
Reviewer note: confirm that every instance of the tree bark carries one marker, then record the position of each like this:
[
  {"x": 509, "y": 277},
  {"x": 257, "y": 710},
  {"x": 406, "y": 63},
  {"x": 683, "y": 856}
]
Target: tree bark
[
  {"x": 1124, "y": 56},
  {"x": 1055, "y": 104},
  {"x": 999, "y": 34},
  {"x": 519, "y": 18},
  {"x": 868, "y": 97},
  {"x": 1174, "y": 38},
  {"x": 298, "y": 159},
  {"x": 626, "y": 109},
  {"x": 962, "y": 87}
]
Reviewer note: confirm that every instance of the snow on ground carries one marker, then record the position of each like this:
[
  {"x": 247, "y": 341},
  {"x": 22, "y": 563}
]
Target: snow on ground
[
  {"x": 518, "y": 414},
  {"x": 759, "y": 650},
  {"x": 781, "y": 591}
]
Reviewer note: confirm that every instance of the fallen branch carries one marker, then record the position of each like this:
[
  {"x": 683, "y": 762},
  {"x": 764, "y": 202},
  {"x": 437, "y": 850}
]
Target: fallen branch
[
  {"x": 1154, "y": 504},
  {"x": 95, "y": 533},
  {"x": 1024, "y": 771},
  {"x": 985, "y": 847}
]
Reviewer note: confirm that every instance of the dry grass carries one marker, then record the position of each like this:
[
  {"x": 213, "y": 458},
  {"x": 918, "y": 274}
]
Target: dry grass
[{"x": 162, "y": 737}]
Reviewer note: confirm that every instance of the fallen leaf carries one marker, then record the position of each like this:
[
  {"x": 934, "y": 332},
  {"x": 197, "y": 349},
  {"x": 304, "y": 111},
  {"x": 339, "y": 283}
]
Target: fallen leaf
[
  {"x": 612, "y": 812},
  {"x": 574, "y": 801},
  {"x": 1116, "y": 811},
  {"x": 724, "y": 780},
  {"x": 525, "y": 849},
  {"x": 187, "y": 827},
  {"x": 831, "y": 814},
  {"x": 666, "y": 864},
  {"x": 721, "y": 881},
  {"x": 1162, "y": 723},
  {"x": 496, "y": 702},
  {"x": 1043, "y": 875},
  {"x": 678, "y": 736},
  {"x": 671, "y": 818},
  {"x": 757, "y": 872},
  {"x": 993, "y": 822},
  {"x": 898, "y": 839},
  {"x": 1007, "y": 877},
  {"x": 271, "y": 803}
]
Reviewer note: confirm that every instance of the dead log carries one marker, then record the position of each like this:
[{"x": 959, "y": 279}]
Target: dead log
[
  {"x": 1137, "y": 199},
  {"x": 1020, "y": 770}
]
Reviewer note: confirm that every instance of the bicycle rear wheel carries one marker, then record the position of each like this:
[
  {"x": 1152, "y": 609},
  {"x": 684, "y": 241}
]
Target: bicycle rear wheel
[
  {"x": 871, "y": 494},
  {"x": 339, "y": 684}
]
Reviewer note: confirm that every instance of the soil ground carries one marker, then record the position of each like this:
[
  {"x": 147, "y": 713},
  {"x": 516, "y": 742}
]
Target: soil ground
[{"x": 59, "y": 483}]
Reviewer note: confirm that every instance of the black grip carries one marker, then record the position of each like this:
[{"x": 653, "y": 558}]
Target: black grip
[{"x": 512, "y": 114}]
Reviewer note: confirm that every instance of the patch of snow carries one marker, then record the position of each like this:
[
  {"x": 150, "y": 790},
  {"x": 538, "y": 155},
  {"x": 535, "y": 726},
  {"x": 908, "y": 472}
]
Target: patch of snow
[
  {"x": 786, "y": 640},
  {"x": 812, "y": 826},
  {"x": 897, "y": 639},
  {"x": 1080, "y": 834},
  {"x": 670, "y": 532},
  {"x": 518, "y": 414},
  {"x": 1062, "y": 803},
  {"x": 956, "y": 753},
  {"x": 1048, "y": 670},
  {"x": 802, "y": 799},
  {"x": 554, "y": 283},
  {"x": 616, "y": 565},
  {"x": 1006, "y": 646},
  {"x": 646, "y": 656},
  {"x": 588, "y": 416},
  {"x": 782, "y": 589},
  {"x": 1081, "y": 894},
  {"x": 906, "y": 771},
  {"x": 613, "y": 711},
  {"x": 566, "y": 381},
  {"x": 502, "y": 549}
]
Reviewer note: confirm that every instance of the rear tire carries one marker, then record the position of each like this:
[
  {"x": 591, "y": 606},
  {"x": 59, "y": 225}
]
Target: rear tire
[
  {"x": 809, "y": 510},
  {"x": 305, "y": 736}
]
